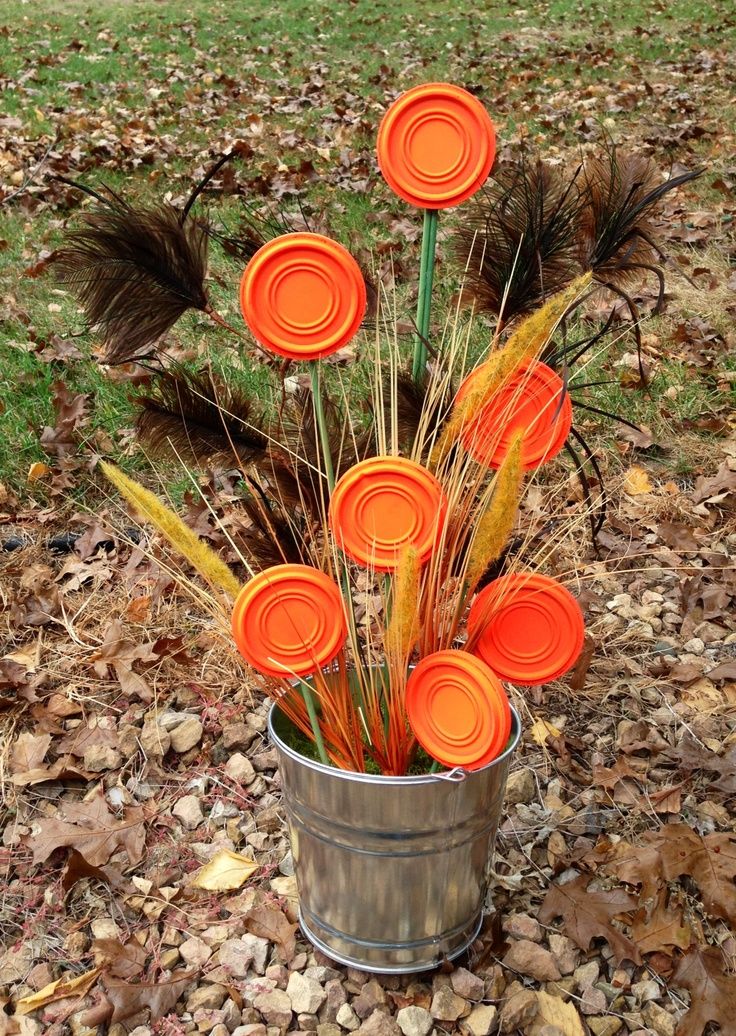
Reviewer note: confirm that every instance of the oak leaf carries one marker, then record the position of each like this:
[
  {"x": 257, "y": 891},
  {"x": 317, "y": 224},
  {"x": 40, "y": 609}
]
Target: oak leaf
[
  {"x": 712, "y": 991},
  {"x": 92, "y": 830},
  {"x": 225, "y": 871},
  {"x": 270, "y": 923},
  {"x": 661, "y": 927},
  {"x": 676, "y": 850},
  {"x": 128, "y": 998},
  {"x": 59, "y": 990},
  {"x": 589, "y": 913}
]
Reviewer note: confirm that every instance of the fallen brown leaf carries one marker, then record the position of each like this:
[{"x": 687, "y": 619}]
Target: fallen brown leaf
[
  {"x": 588, "y": 914},
  {"x": 712, "y": 991},
  {"x": 92, "y": 830}
]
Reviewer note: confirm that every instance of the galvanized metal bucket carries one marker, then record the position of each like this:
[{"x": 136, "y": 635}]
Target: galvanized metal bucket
[{"x": 392, "y": 872}]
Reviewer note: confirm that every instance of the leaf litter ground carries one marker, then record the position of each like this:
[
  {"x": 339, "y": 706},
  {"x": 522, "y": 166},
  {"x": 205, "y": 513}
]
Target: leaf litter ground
[{"x": 145, "y": 864}]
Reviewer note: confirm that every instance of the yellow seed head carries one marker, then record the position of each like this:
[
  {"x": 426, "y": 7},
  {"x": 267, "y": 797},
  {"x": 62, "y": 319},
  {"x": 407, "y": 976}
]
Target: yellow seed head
[
  {"x": 172, "y": 528},
  {"x": 497, "y": 521},
  {"x": 403, "y": 627}
]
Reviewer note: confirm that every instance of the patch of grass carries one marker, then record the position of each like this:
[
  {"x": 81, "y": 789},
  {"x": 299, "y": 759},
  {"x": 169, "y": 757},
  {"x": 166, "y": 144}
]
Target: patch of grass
[{"x": 141, "y": 94}]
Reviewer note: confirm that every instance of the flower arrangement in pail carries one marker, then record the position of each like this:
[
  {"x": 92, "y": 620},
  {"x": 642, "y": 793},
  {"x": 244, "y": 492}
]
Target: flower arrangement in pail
[{"x": 384, "y": 602}]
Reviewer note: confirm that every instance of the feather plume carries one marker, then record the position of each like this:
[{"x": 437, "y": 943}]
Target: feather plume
[
  {"x": 134, "y": 271},
  {"x": 192, "y": 415},
  {"x": 183, "y": 539},
  {"x": 621, "y": 192},
  {"x": 518, "y": 239},
  {"x": 276, "y": 535}
]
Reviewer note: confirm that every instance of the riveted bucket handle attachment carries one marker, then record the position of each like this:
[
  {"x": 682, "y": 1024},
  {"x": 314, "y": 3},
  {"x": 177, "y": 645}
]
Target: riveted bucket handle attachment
[{"x": 456, "y": 775}]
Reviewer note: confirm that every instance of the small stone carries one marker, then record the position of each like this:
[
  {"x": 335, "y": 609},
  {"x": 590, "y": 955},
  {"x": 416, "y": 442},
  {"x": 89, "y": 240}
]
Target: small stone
[
  {"x": 604, "y": 1025},
  {"x": 467, "y": 985},
  {"x": 249, "y": 1030},
  {"x": 329, "y": 1029},
  {"x": 658, "y": 1019},
  {"x": 239, "y": 768},
  {"x": 549, "y": 1030},
  {"x": 562, "y": 989},
  {"x": 520, "y": 787},
  {"x": 267, "y": 760},
  {"x": 446, "y": 1006},
  {"x": 189, "y": 811},
  {"x": 348, "y": 1019},
  {"x": 592, "y": 1001},
  {"x": 237, "y": 955},
  {"x": 154, "y": 740},
  {"x": 187, "y": 734},
  {"x": 694, "y": 646},
  {"x": 211, "y": 997},
  {"x": 238, "y": 735},
  {"x": 286, "y": 866},
  {"x": 101, "y": 757},
  {"x": 645, "y": 990},
  {"x": 336, "y": 997},
  {"x": 275, "y": 1007},
  {"x": 522, "y": 926},
  {"x": 379, "y": 1024},
  {"x": 279, "y": 974},
  {"x": 414, "y": 1021},
  {"x": 195, "y": 951},
  {"x": 519, "y": 1010},
  {"x": 481, "y": 1020},
  {"x": 495, "y": 983},
  {"x": 306, "y": 994},
  {"x": 564, "y": 952},
  {"x": 220, "y": 1030},
  {"x": 307, "y": 1022},
  {"x": 586, "y": 974},
  {"x": 372, "y": 995},
  {"x": 532, "y": 960}
]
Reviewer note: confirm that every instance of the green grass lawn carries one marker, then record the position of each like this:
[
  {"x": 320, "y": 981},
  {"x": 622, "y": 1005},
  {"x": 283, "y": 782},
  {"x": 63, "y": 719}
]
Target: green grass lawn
[{"x": 143, "y": 95}]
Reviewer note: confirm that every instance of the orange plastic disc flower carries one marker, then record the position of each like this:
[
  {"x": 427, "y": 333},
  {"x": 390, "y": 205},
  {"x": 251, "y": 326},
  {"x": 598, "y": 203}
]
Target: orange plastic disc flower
[
  {"x": 534, "y": 399},
  {"x": 436, "y": 145},
  {"x": 381, "y": 506},
  {"x": 303, "y": 296},
  {"x": 458, "y": 709},
  {"x": 289, "y": 619},
  {"x": 533, "y": 628}
]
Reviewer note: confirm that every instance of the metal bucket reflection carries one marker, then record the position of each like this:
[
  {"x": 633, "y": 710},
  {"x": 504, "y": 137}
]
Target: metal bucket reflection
[{"x": 392, "y": 872}]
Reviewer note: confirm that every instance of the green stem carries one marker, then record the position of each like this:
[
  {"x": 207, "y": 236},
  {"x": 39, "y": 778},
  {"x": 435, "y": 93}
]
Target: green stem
[
  {"x": 312, "y": 712},
  {"x": 319, "y": 414},
  {"x": 424, "y": 302},
  {"x": 435, "y": 767}
]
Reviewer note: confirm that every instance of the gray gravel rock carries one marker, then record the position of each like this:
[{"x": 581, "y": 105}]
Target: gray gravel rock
[
  {"x": 414, "y": 1021},
  {"x": 346, "y": 1018},
  {"x": 467, "y": 985},
  {"x": 189, "y": 811},
  {"x": 522, "y": 926},
  {"x": 519, "y": 1010},
  {"x": 372, "y": 995},
  {"x": 211, "y": 996},
  {"x": 275, "y": 1007},
  {"x": 379, "y": 1024},
  {"x": 187, "y": 734},
  {"x": 306, "y": 994},
  {"x": 448, "y": 1006},
  {"x": 481, "y": 1021},
  {"x": 657, "y": 1018},
  {"x": 531, "y": 959},
  {"x": 520, "y": 787}
]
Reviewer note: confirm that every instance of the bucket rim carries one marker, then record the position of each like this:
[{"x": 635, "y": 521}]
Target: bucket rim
[{"x": 383, "y": 780}]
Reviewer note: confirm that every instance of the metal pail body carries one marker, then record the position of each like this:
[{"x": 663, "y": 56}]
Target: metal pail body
[{"x": 392, "y": 872}]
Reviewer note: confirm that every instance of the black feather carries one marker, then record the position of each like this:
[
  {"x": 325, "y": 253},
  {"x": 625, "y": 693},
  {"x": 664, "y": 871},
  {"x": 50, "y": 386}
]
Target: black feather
[
  {"x": 135, "y": 272},
  {"x": 621, "y": 192},
  {"x": 193, "y": 415},
  {"x": 519, "y": 238}
]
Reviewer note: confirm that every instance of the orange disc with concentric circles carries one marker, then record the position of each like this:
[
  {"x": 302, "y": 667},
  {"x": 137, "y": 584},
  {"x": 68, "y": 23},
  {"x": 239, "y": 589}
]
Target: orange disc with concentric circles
[
  {"x": 303, "y": 296},
  {"x": 436, "y": 145},
  {"x": 458, "y": 709},
  {"x": 533, "y": 628},
  {"x": 289, "y": 619},
  {"x": 534, "y": 399},
  {"x": 383, "y": 505}
]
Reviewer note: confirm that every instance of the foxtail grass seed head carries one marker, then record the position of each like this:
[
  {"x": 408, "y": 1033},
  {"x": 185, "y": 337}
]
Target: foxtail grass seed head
[
  {"x": 183, "y": 539},
  {"x": 403, "y": 628},
  {"x": 525, "y": 343},
  {"x": 497, "y": 521}
]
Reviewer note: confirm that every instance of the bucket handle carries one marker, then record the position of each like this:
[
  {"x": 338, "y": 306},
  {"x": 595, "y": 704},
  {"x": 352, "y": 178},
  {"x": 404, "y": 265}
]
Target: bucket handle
[{"x": 455, "y": 776}]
